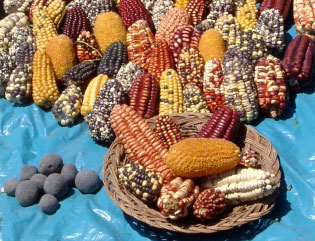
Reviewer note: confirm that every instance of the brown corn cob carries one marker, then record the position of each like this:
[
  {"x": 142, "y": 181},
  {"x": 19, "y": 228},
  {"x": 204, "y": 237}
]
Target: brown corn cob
[
  {"x": 141, "y": 144},
  {"x": 224, "y": 123},
  {"x": 143, "y": 96},
  {"x": 297, "y": 62},
  {"x": 139, "y": 43},
  {"x": 171, "y": 93},
  {"x": 195, "y": 9},
  {"x": 45, "y": 90},
  {"x": 193, "y": 99},
  {"x": 181, "y": 3},
  {"x": 304, "y": 17},
  {"x": 86, "y": 47},
  {"x": 57, "y": 11},
  {"x": 36, "y": 3},
  {"x": 168, "y": 131},
  {"x": 160, "y": 59},
  {"x": 246, "y": 15},
  {"x": 283, "y": 6}
]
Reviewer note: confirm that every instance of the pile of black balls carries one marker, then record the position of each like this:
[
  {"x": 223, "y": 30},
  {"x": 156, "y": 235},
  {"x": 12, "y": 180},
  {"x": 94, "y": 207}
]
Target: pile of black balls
[{"x": 50, "y": 183}]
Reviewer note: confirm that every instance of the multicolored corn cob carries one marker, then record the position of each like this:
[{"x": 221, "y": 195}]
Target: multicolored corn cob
[
  {"x": 160, "y": 8},
  {"x": 304, "y": 17},
  {"x": 193, "y": 99},
  {"x": 195, "y": 9},
  {"x": 249, "y": 159},
  {"x": 246, "y": 15},
  {"x": 282, "y": 6},
  {"x": 14, "y": 20},
  {"x": 7, "y": 66},
  {"x": 86, "y": 47},
  {"x": 217, "y": 8},
  {"x": 24, "y": 54}
]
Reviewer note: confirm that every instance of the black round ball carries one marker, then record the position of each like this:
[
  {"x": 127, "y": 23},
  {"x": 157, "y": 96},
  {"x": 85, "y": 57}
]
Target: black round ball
[
  {"x": 27, "y": 193},
  {"x": 56, "y": 185},
  {"x": 87, "y": 181},
  {"x": 27, "y": 172},
  {"x": 48, "y": 203},
  {"x": 69, "y": 172},
  {"x": 39, "y": 180},
  {"x": 51, "y": 163},
  {"x": 10, "y": 186}
]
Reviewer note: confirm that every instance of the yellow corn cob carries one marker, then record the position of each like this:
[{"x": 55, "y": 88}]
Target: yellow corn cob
[
  {"x": 181, "y": 3},
  {"x": 247, "y": 15},
  {"x": 44, "y": 28},
  {"x": 45, "y": 90},
  {"x": 57, "y": 11},
  {"x": 171, "y": 93},
  {"x": 91, "y": 94}
]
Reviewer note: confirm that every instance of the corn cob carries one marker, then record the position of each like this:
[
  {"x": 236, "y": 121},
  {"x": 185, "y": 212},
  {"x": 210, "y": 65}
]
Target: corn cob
[
  {"x": 181, "y": 3},
  {"x": 140, "y": 181},
  {"x": 109, "y": 28},
  {"x": 297, "y": 62},
  {"x": 184, "y": 36},
  {"x": 14, "y": 20},
  {"x": 271, "y": 88},
  {"x": 229, "y": 28},
  {"x": 11, "y": 6},
  {"x": 209, "y": 205},
  {"x": 127, "y": 75},
  {"x": 7, "y": 66},
  {"x": 114, "y": 57},
  {"x": 195, "y": 9},
  {"x": 270, "y": 27},
  {"x": 177, "y": 197},
  {"x": 199, "y": 157},
  {"x": 91, "y": 94},
  {"x": 171, "y": 93},
  {"x": 160, "y": 8},
  {"x": 86, "y": 47},
  {"x": 75, "y": 23},
  {"x": 24, "y": 54},
  {"x": 218, "y": 8},
  {"x": 139, "y": 43},
  {"x": 45, "y": 90},
  {"x": 80, "y": 75},
  {"x": 38, "y": 3},
  {"x": 168, "y": 131},
  {"x": 57, "y": 11},
  {"x": 174, "y": 19},
  {"x": 282, "y": 6},
  {"x": 242, "y": 184},
  {"x": 204, "y": 26},
  {"x": 132, "y": 11},
  {"x": 44, "y": 29},
  {"x": 143, "y": 96},
  {"x": 141, "y": 144},
  {"x": 148, "y": 4},
  {"x": 67, "y": 107},
  {"x": 193, "y": 99},
  {"x": 246, "y": 15},
  {"x": 213, "y": 89},
  {"x": 111, "y": 94},
  {"x": 239, "y": 87},
  {"x": 248, "y": 159},
  {"x": 304, "y": 17},
  {"x": 160, "y": 59}
]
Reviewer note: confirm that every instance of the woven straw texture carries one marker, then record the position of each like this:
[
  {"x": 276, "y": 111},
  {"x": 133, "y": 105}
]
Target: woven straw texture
[{"x": 191, "y": 123}]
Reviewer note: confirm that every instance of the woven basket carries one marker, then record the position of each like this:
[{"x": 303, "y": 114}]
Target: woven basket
[{"x": 190, "y": 124}]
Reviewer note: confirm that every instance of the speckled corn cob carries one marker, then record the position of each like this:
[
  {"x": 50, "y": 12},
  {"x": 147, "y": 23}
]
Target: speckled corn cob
[
  {"x": 304, "y": 17},
  {"x": 75, "y": 23},
  {"x": 67, "y": 107},
  {"x": 242, "y": 184},
  {"x": 184, "y": 36},
  {"x": 247, "y": 15},
  {"x": 168, "y": 131},
  {"x": 160, "y": 59},
  {"x": 45, "y": 90},
  {"x": 171, "y": 93},
  {"x": 38, "y": 3},
  {"x": 174, "y": 19},
  {"x": 271, "y": 88},
  {"x": 239, "y": 85},
  {"x": 86, "y": 47},
  {"x": 7, "y": 66},
  {"x": 144, "y": 96},
  {"x": 142, "y": 145},
  {"x": 148, "y": 4},
  {"x": 9, "y": 22},
  {"x": 213, "y": 89},
  {"x": 57, "y": 11},
  {"x": 297, "y": 62},
  {"x": 24, "y": 54},
  {"x": 140, "y": 181},
  {"x": 218, "y": 8},
  {"x": 160, "y": 8},
  {"x": 139, "y": 43},
  {"x": 190, "y": 66},
  {"x": 195, "y": 9},
  {"x": 114, "y": 57},
  {"x": 127, "y": 74},
  {"x": 11, "y": 6},
  {"x": 249, "y": 159},
  {"x": 224, "y": 123},
  {"x": 193, "y": 99},
  {"x": 80, "y": 74},
  {"x": 270, "y": 27},
  {"x": 91, "y": 94},
  {"x": 44, "y": 29},
  {"x": 111, "y": 94},
  {"x": 283, "y": 6},
  {"x": 181, "y": 3}
]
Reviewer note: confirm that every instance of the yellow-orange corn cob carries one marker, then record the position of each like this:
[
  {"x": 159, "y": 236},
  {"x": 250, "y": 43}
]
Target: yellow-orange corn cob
[
  {"x": 181, "y": 3},
  {"x": 247, "y": 15},
  {"x": 45, "y": 90},
  {"x": 57, "y": 11}
]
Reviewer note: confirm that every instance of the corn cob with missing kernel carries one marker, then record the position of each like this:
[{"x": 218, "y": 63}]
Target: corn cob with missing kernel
[
  {"x": 246, "y": 15},
  {"x": 193, "y": 99},
  {"x": 57, "y": 11}
]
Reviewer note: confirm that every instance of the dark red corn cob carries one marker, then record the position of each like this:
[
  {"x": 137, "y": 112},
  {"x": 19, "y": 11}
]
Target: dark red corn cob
[
  {"x": 195, "y": 9},
  {"x": 132, "y": 11},
  {"x": 224, "y": 123},
  {"x": 282, "y": 5},
  {"x": 297, "y": 62},
  {"x": 86, "y": 47},
  {"x": 143, "y": 96},
  {"x": 182, "y": 37},
  {"x": 75, "y": 23}
]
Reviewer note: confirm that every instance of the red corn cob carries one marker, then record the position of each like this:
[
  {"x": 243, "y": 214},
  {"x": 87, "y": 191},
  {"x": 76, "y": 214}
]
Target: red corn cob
[
  {"x": 86, "y": 47},
  {"x": 282, "y": 5},
  {"x": 195, "y": 9}
]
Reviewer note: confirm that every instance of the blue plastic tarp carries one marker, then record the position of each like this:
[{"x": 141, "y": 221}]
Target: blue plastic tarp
[{"x": 27, "y": 133}]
